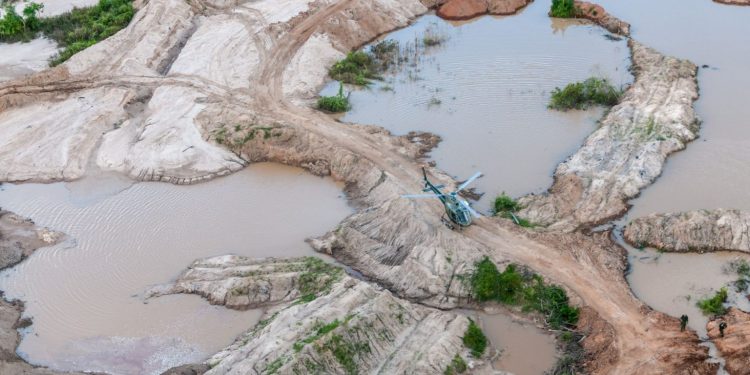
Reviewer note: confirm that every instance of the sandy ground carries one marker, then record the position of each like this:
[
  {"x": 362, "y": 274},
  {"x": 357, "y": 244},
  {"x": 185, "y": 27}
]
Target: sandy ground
[{"x": 160, "y": 116}]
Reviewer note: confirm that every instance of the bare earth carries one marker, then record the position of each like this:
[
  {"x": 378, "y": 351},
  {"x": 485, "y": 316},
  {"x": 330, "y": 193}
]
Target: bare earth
[
  {"x": 160, "y": 104},
  {"x": 735, "y": 345}
]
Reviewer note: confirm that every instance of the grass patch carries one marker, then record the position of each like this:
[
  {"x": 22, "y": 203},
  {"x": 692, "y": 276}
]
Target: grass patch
[
  {"x": 562, "y": 9},
  {"x": 475, "y": 340},
  {"x": 457, "y": 366},
  {"x": 337, "y": 103},
  {"x": 274, "y": 366},
  {"x": 714, "y": 305},
  {"x": 581, "y": 95},
  {"x": 525, "y": 289},
  {"x": 320, "y": 330},
  {"x": 318, "y": 277}
]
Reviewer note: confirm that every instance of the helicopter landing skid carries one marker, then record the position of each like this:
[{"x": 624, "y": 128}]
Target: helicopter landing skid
[{"x": 448, "y": 223}]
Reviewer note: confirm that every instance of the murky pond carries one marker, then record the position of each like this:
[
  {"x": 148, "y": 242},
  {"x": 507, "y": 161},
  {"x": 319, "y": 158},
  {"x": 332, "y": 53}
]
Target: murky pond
[
  {"x": 524, "y": 349},
  {"x": 84, "y": 294},
  {"x": 485, "y": 90}
]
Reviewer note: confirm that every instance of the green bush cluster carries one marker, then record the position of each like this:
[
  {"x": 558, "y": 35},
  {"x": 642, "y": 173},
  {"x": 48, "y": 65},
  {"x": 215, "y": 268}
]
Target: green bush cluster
[
  {"x": 475, "y": 340},
  {"x": 357, "y": 68},
  {"x": 506, "y": 207},
  {"x": 337, "y": 103},
  {"x": 74, "y": 31},
  {"x": 457, "y": 366},
  {"x": 562, "y": 9},
  {"x": 714, "y": 305},
  {"x": 525, "y": 289},
  {"x": 581, "y": 95},
  {"x": 16, "y": 27},
  {"x": 742, "y": 268}
]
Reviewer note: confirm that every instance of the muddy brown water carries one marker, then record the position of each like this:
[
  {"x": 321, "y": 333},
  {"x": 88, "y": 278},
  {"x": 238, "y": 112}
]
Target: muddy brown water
[
  {"x": 492, "y": 77},
  {"x": 84, "y": 295},
  {"x": 713, "y": 171},
  {"x": 523, "y": 349}
]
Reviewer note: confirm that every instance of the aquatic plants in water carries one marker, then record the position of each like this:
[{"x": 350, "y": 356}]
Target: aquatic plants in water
[
  {"x": 581, "y": 95},
  {"x": 336, "y": 103},
  {"x": 714, "y": 305}
]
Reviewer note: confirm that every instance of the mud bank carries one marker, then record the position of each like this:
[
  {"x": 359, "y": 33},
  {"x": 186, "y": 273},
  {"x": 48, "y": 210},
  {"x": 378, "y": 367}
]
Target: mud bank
[
  {"x": 328, "y": 321},
  {"x": 627, "y": 153},
  {"x": 597, "y": 14},
  {"x": 704, "y": 230},
  {"x": 19, "y": 237},
  {"x": 735, "y": 345},
  {"x": 733, "y": 2},
  {"x": 468, "y": 9}
]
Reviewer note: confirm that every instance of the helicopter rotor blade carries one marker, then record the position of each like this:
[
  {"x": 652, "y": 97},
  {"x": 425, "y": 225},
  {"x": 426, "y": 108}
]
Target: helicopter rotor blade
[
  {"x": 470, "y": 180},
  {"x": 419, "y": 196}
]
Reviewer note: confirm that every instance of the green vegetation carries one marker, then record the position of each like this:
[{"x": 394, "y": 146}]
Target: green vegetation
[
  {"x": 581, "y": 95},
  {"x": 714, "y": 305},
  {"x": 320, "y": 330},
  {"x": 74, "y": 31},
  {"x": 357, "y": 68},
  {"x": 275, "y": 365},
  {"x": 16, "y": 27},
  {"x": 318, "y": 277},
  {"x": 525, "y": 289},
  {"x": 742, "y": 269},
  {"x": 506, "y": 207},
  {"x": 457, "y": 366},
  {"x": 335, "y": 104},
  {"x": 475, "y": 340},
  {"x": 562, "y": 9}
]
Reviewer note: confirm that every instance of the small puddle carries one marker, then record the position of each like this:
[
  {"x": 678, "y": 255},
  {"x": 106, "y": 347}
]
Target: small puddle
[
  {"x": 20, "y": 59},
  {"x": 485, "y": 90},
  {"x": 524, "y": 349},
  {"x": 84, "y": 294}
]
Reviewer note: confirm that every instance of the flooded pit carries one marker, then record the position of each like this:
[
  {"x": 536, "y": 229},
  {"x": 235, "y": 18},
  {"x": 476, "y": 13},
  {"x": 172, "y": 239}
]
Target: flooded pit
[
  {"x": 84, "y": 294},
  {"x": 492, "y": 77},
  {"x": 713, "y": 171},
  {"x": 524, "y": 349}
]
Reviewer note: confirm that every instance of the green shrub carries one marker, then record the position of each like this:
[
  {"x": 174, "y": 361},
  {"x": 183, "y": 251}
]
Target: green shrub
[
  {"x": 504, "y": 203},
  {"x": 562, "y": 9},
  {"x": 513, "y": 287},
  {"x": 83, "y": 27},
  {"x": 358, "y": 68},
  {"x": 16, "y": 27},
  {"x": 581, "y": 95},
  {"x": 475, "y": 340},
  {"x": 336, "y": 103},
  {"x": 714, "y": 305},
  {"x": 457, "y": 366}
]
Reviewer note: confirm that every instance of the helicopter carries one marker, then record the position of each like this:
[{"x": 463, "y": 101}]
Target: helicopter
[{"x": 458, "y": 210}]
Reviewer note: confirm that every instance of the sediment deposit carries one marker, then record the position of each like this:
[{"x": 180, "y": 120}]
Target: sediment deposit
[
  {"x": 735, "y": 345},
  {"x": 702, "y": 230},
  {"x": 347, "y": 325},
  {"x": 627, "y": 153},
  {"x": 599, "y": 16},
  {"x": 467, "y": 9}
]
